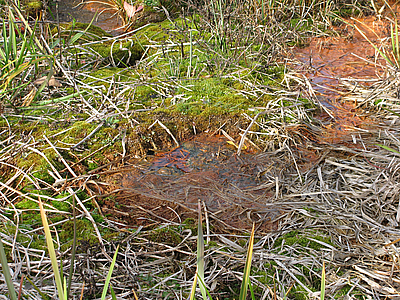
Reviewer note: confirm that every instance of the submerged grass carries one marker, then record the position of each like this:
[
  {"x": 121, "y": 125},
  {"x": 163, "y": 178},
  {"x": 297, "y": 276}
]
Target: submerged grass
[{"x": 324, "y": 213}]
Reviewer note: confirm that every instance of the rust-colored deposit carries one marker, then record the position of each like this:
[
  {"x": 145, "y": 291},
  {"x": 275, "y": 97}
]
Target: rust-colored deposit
[
  {"x": 236, "y": 191},
  {"x": 327, "y": 60},
  {"x": 347, "y": 123}
]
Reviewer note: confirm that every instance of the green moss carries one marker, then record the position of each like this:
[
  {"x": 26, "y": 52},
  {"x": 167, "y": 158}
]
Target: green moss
[
  {"x": 84, "y": 233},
  {"x": 297, "y": 293},
  {"x": 63, "y": 205},
  {"x": 267, "y": 274},
  {"x": 26, "y": 204},
  {"x": 78, "y": 26},
  {"x": 211, "y": 96},
  {"x": 39, "y": 242},
  {"x": 92, "y": 33},
  {"x": 92, "y": 165},
  {"x": 191, "y": 224},
  {"x": 303, "y": 239},
  {"x": 9, "y": 229},
  {"x": 301, "y": 24},
  {"x": 120, "y": 54},
  {"x": 34, "y": 5},
  {"x": 211, "y": 244},
  {"x": 166, "y": 235}
]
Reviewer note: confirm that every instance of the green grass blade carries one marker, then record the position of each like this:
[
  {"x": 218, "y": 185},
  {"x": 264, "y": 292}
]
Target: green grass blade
[
  {"x": 393, "y": 112},
  {"x": 388, "y": 148},
  {"x": 106, "y": 284},
  {"x": 43, "y": 295},
  {"x": 247, "y": 268},
  {"x": 253, "y": 297},
  {"x": 14, "y": 73},
  {"x": 208, "y": 293},
  {"x": 200, "y": 255},
  {"x": 6, "y": 273},
  {"x": 23, "y": 53},
  {"x": 52, "y": 252},
  {"x": 13, "y": 37},
  {"x": 5, "y": 45},
  {"x": 323, "y": 282},
  {"x": 113, "y": 296},
  {"x": 78, "y": 35},
  {"x": 396, "y": 31}
]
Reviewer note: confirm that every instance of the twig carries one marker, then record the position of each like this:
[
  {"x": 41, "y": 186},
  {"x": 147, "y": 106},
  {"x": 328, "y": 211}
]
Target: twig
[
  {"x": 166, "y": 129},
  {"x": 88, "y": 136}
]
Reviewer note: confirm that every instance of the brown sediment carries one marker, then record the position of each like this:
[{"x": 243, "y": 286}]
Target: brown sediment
[
  {"x": 206, "y": 169},
  {"x": 351, "y": 57},
  {"x": 327, "y": 60}
]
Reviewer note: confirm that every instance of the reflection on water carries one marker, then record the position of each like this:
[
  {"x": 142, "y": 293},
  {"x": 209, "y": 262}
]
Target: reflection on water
[
  {"x": 206, "y": 168},
  {"x": 84, "y": 11}
]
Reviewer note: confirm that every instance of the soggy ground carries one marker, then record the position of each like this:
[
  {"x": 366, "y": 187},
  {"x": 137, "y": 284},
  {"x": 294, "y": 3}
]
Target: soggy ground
[
  {"x": 346, "y": 56},
  {"x": 206, "y": 168},
  {"x": 308, "y": 152}
]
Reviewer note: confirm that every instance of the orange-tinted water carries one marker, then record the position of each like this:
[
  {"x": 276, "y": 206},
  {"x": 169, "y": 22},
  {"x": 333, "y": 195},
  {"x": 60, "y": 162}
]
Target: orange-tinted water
[
  {"x": 350, "y": 56},
  {"x": 327, "y": 60},
  {"x": 206, "y": 168},
  {"x": 104, "y": 17}
]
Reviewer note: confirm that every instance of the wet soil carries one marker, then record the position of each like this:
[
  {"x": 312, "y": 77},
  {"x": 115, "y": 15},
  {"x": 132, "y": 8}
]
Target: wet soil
[
  {"x": 236, "y": 191},
  {"x": 328, "y": 62}
]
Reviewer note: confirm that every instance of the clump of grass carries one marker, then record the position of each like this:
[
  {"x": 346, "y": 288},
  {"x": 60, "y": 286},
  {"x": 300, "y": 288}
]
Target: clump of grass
[{"x": 18, "y": 57}]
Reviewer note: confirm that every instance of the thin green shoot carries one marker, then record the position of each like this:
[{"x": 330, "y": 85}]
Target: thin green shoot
[
  {"x": 37, "y": 289},
  {"x": 193, "y": 290},
  {"x": 6, "y": 272},
  {"x": 208, "y": 293},
  {"x": 247, "y": 268},
  {"x": 388, "y": 148},
  {"x": 52, "y": 252},
  {"x": 323, "y": 282},
  {"x": 78, "y": 35},
  {"x": 200, "y": 255},
  {"x": 113, "y": 296},
  {"x": 190, "y": 54},
  {"x": 108, "y": 278}
]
